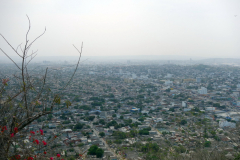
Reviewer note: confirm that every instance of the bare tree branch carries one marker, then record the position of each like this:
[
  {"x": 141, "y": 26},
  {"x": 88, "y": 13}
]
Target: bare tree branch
[
  {"x": 18, "y": 47},
  {"x": 21, "y": 48},
  {"x": 10, "y": 59},
  {"x": 36, "y": 39},
  {"x": 32, "y": 54},
  {"x": 25, "y": 109},
  {"x": 11, "y": 46},
  {"x": 30, "y": 60},
  {"x": 31, "y": 119},
  {"x": 29, "y": 27},
  {"x": 80, "y": 54}
]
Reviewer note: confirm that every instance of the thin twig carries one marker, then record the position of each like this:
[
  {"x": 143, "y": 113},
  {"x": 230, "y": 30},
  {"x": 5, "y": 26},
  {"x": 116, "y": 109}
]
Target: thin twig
[
  {"x": 80, "y": 54},
  {"x": 10, "y": 59},
  {"x": 30, "y": 60},
  {"x": 18, "y": 46},
  {"x": 10, "y": 45},
  {"x": 36, "y": 39},
  {"x": 32, "y": 54},
  {"x": 21, "y": 48},
  {"x": 29, "y": 27}
]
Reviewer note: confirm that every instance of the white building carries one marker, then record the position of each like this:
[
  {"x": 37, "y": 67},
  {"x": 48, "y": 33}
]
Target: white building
[
  {"x": 149, "y": 71},
  {"x": 203, "y": 90},
  {"x": 186, "y": 109},
  {"x": 168, "y": 75},
  {"x": 158, "y": 120},
  {"x": 153, "y": 108},
  {"x": 184, "y": 104},
  {"x": 144, "y": 111},
  {"x": 210, "y": 108},
  {"x": 168, "y": 82},
  {"x": 225, "y": 123}
]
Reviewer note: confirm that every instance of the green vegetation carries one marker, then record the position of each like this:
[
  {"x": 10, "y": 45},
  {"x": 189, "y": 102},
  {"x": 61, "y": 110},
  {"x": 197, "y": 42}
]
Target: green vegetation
[
  {"x": 113, "y": 123},
  {"x": 66, "y": 122},
  {"x": 183, "y": 122},
  {"x": 218, "y": 106},
  {"x": 144, "y": 131},
  {"x": 89, "y": 118},
  {"x": 120, "y": 135},
  {"x": 207, "y": 144},
  {"x": 150, "y": 147},
  {"x": 94, "y": 150},
  {"x": 102, "y": 134},
  {"x": 78, "y": 126},
  {"x": 118, "y": 141},
  {"x": 85, "y": 107},
  {"x": 180, "y": 149},
  {"x": 101, "y": 121}
]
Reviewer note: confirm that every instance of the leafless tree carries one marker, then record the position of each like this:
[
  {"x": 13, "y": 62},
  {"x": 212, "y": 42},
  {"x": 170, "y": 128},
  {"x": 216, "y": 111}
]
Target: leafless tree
[{"x": 20, "y": 109}]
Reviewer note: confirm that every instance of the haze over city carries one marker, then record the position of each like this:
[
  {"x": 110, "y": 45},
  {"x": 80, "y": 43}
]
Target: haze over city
[
  {"x": 191, "y": 29},
  {"x": 120, "y": 79}
]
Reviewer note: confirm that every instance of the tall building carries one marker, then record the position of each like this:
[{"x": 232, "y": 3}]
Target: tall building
[
  {"x": 128, "y": 80},
  {"x": 184, "y": 104},
  {"x": 149, "y": 71},
  {"x": 203, "y": 90},
  {"x": 168, "y": 76}
]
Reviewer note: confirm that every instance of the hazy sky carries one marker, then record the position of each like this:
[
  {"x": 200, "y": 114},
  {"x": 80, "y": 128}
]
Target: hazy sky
[{"x": 207, "y": 28}]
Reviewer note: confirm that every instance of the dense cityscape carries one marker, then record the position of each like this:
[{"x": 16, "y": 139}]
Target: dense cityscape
[
  {"x": 135, "y": 111},
  {"x": 119, "y": 80}
]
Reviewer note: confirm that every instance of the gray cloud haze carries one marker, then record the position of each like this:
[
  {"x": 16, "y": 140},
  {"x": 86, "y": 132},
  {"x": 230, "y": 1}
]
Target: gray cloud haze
[{"x": 206, "y": 28}]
